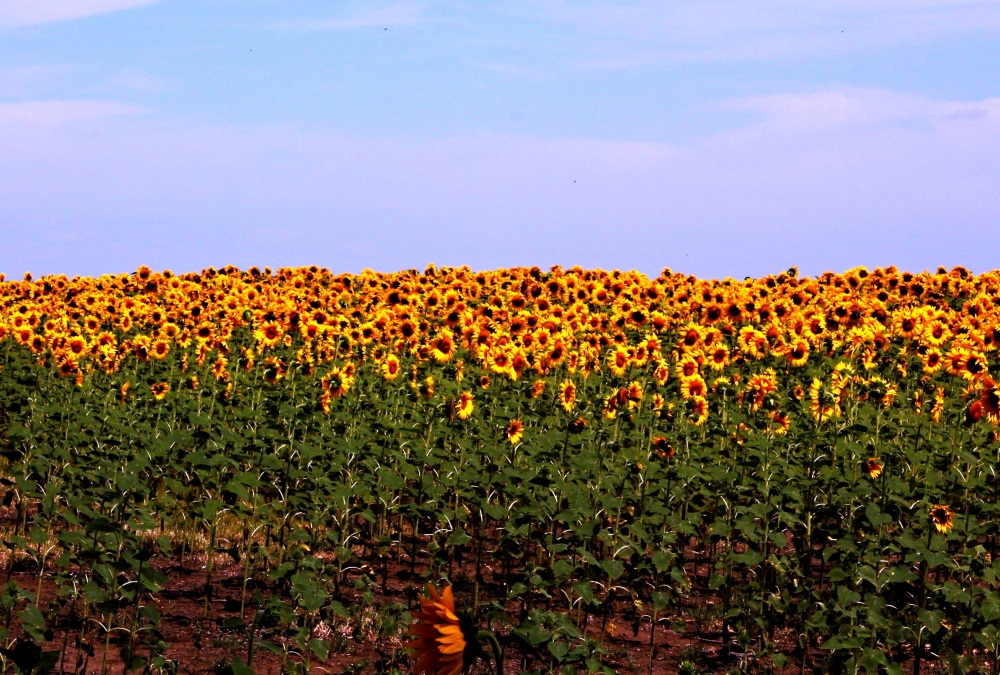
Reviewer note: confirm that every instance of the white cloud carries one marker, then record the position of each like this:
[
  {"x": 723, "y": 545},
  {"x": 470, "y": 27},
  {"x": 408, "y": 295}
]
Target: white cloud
[
  {"x": 851, "y": 108},
  {"x": 826, "y": 179},
  {"x": 31, "y": 12},
  {"x": 58, "y": 113}
]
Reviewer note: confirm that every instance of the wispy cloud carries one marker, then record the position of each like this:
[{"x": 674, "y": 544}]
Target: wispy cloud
[
  {"x": 824, "y": 179},
  {"x": 58, "y": 113},
  {"x": 30, "y": 12},
  {"x": 135, "y": 79},
  {"x": 24, "y": 81},
  {"x": 376, "y": 15},
  {"x": 621, "y": 34},
  {"x": 851, "y": 108}
]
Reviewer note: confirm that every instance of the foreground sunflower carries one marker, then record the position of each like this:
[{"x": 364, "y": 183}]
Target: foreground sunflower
[{"x": 446, "y": 642}]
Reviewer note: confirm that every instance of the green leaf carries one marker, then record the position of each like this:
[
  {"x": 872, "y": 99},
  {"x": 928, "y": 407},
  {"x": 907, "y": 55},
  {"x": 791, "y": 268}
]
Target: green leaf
[
  {"x": 241, "y": 668},
  {"x": 33, "y": 623},
  {"x": 320, "y": 648},
  {"x": 614, "y": 568}
]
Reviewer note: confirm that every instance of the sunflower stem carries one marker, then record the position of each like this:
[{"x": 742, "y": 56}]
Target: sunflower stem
[{"x": 488, "y": 636}]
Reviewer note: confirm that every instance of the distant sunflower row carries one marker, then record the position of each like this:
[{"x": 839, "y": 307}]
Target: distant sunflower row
[{"x": 780, "y": 337}]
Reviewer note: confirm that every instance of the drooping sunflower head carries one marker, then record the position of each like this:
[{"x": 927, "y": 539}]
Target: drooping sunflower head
[
  {"x": 798, "y": 355},
  {"x": 873, "y": 467},
  {"x": 942, "y": 518},
  {"x": 989, "y": 399},
  {"x": 577, "y": 425},
  {"x": 67, "y": 367},
  {"x": 974, "y": 412},
  {"x": 699, "y": 410},
  {"x": 662, "y": 447}
]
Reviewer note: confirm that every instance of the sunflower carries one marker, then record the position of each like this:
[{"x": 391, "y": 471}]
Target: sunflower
[
  {"x": 752, "y": 342},
  {"x": 718, "y": 358},
  {"x": 123, "y": 392},
  {"x": 936, "y": 332},
  {"x": 220, "y": 369},
  {"x": 687, "y": 367},
  {"x": 577, "y": 425},
  {"x": 274, "y": 370},
  {"x": 518, "y": 363},
  {"x": 538, "y": 388},
  {"x": 619, "y": 361},
  {"x": 873, "y": 467},
  {"x": 269, "y": 334},
  {"x": 657, "y": 401},
  {"x": 932, "y": 360},
  {"x": 691, "y": 337},
  {"x": 567, "y": 395},
  {"x": 969, "y": 364},
  {"x": 798, "y": 355},
  {"x": 661, "y": 374},
  {"x": 938, "y": 408},
  {"x": 76, "y": 346},
  {"x": 699, "y": 410},
  {"x": 443, "y": 346},
  {"x": 515, "y": 431},
  {"x": 67, "y": 367},
  {"x": 465, "y": 405},
  {"x": 781, "y": 422},
  {"x": 974, "y": 413},
  {"x": 160, "y": 390},
  {"x": 907, "y": 323},
  {"x": 444, "y": 643},
  {"x": 693, "y": 387},
  {"x": 989, "y": 399},
  {"x": 483, "y": 381},
  {"x": 633, "y": 394},
  {"x": 822, "y": 401},
  {"x": 500, "y": 360},
  {"x": 943, "y": 518},
  {"x": 159, "y": 350},
  {"x": 390, "y": 367},
  {"x": 661, "y": 447},
  {"x": 206, "y": 332},
  {"x": 335, "y": 382},
  {"x": 310, "y": 330},
  {"x": 37, "y": 344}
]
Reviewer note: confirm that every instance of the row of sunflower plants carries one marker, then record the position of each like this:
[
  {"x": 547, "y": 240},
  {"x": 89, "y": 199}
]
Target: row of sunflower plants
[{"x": 802, "y": 512}]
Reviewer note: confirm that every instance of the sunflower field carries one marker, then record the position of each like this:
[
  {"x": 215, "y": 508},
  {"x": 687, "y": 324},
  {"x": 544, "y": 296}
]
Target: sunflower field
[{"x": 254, "y": 471}]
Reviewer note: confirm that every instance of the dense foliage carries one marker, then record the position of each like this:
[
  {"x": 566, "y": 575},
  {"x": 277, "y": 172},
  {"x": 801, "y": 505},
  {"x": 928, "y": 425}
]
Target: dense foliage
[{"x": 806, "y": 466}]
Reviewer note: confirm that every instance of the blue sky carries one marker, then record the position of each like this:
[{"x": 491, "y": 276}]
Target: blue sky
[{"x": 716, "y": 137}]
